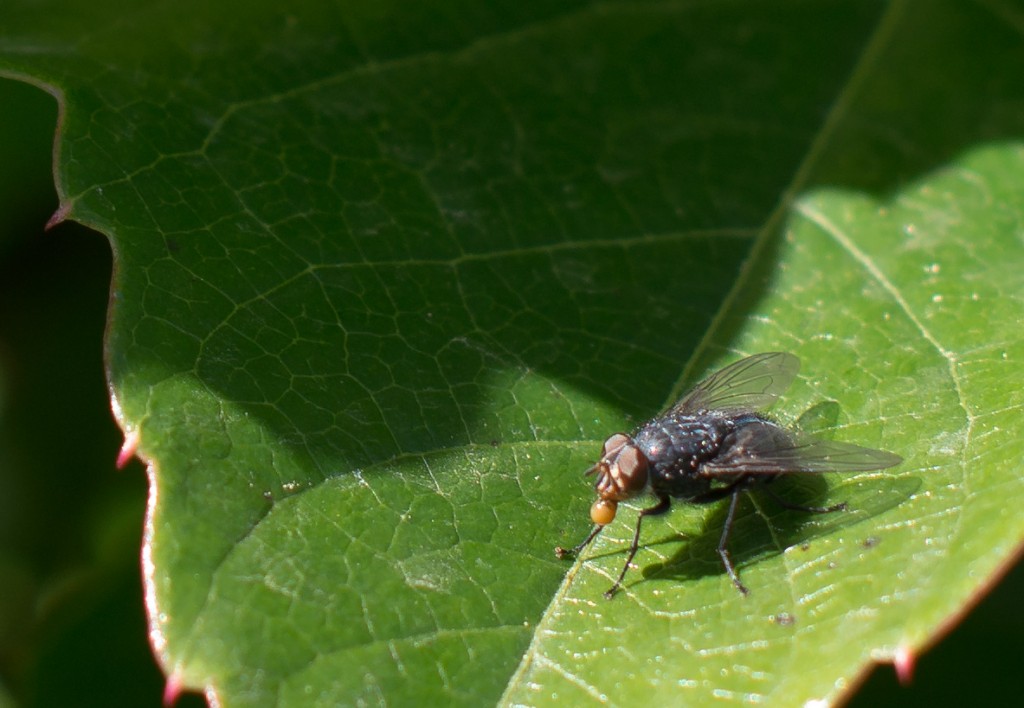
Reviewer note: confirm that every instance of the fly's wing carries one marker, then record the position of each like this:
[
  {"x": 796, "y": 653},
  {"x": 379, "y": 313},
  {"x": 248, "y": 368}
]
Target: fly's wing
[
  {"x": 746, "y": 385},
  {"x": 766, "y": 448}
]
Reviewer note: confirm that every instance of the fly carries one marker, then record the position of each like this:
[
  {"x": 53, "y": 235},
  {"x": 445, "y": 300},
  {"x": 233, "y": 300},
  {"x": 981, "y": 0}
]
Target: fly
[{"x": 714, "y": 444}]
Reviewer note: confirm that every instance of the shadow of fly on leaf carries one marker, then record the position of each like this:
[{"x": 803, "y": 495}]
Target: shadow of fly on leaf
[
  {"x": 763, "y": 529},
  {"x": 715, "y": 444}
]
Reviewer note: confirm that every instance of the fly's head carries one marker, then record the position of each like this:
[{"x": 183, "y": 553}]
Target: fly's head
[{"x": 621, "y": 474}]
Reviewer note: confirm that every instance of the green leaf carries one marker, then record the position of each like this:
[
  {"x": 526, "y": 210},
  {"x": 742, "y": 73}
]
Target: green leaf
[{"x": 387, "y": 276}]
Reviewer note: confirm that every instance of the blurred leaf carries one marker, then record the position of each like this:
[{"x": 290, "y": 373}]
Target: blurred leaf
[
  {"x": 386, "y": 276},
  {"x": 69, "y": 522}
]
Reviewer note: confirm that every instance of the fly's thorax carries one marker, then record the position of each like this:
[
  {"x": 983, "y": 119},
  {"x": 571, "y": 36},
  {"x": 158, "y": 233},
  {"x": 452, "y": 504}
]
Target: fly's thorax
[
  {"x": 683, "y": 440},
  {"x": 621, "y": 474},
  {"x": 677, "y": 446}
]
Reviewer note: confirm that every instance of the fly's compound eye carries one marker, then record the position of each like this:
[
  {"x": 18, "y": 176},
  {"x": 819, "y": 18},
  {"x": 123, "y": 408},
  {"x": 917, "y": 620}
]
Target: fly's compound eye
[
  {"x": 632, "y": 467},
  {"x": 613, "y": 444},
  {"x": 603, "y": 511},
  {"x": 622, "y": 471}
]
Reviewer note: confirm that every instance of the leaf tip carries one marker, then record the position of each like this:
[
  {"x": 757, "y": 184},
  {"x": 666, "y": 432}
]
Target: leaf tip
[
  {"x": 128, "y": 448},
  {"x": 903, "y": 662},
  {"x": 58, "y": 216},
  {"x": 172, "y": 689}
]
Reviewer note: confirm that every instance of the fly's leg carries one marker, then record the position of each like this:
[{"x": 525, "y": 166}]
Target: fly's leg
[
  {"x": 723, "y": 551},
  {"x": 663, "y": 505},
  {"x": 575, "y": 551},
  {"x": 733, "y": 491},
  {"x": 785, "y": 504}
]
